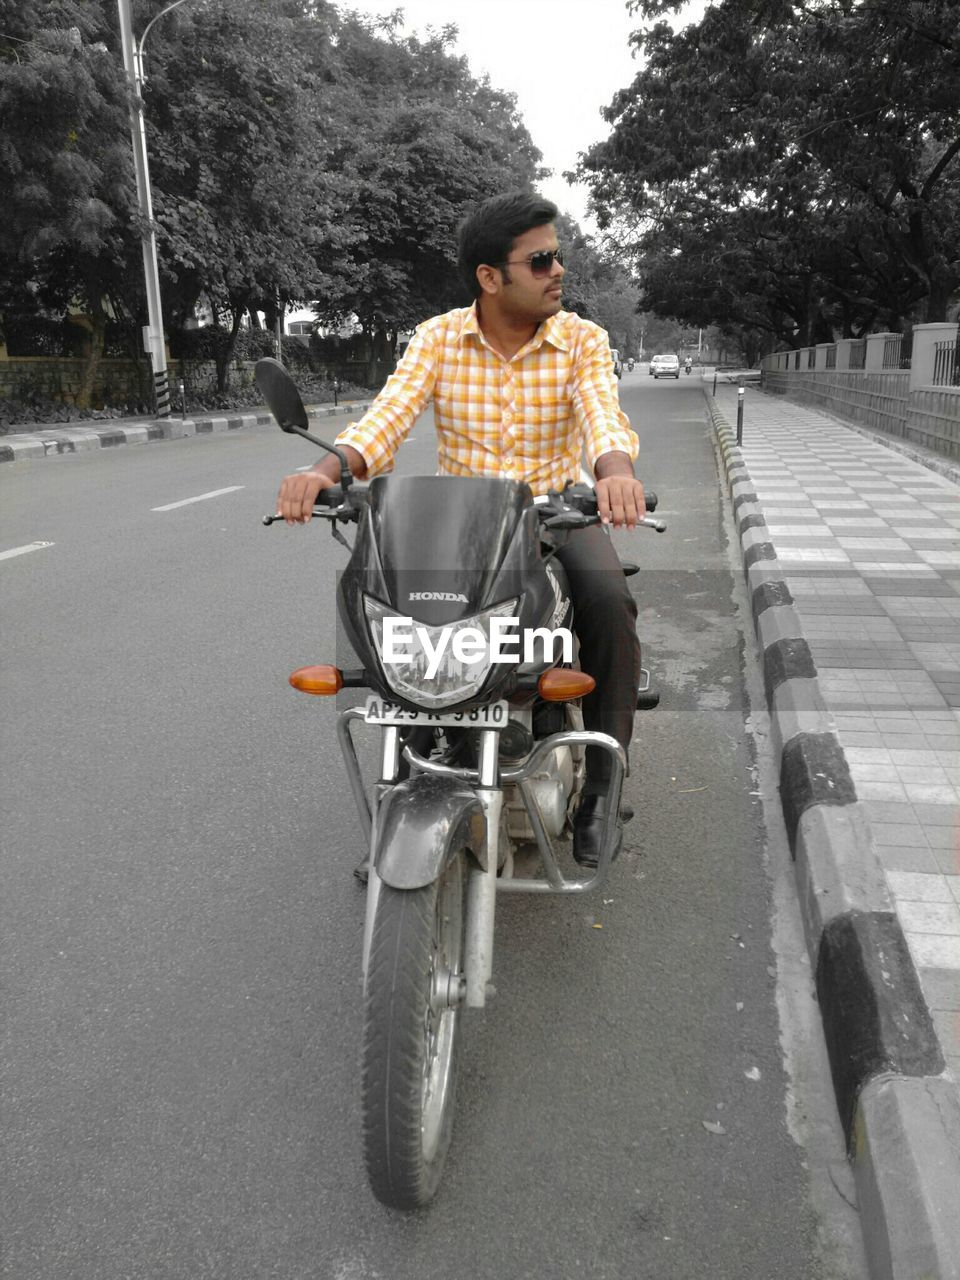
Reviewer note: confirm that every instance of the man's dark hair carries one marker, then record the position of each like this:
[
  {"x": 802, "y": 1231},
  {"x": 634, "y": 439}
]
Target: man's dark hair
[{"x": 488, "y": 232}]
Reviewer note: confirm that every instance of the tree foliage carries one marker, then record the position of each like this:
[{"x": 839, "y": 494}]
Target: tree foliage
[
  {"x": 241, "y": 201},
  {"x": 420, "y": 140},
  {"x": 296, "y": 153},
  {"x": 65, "y": 164},
  {"x": 599, "y": 287},
  {"x": 790, "y": 167}
]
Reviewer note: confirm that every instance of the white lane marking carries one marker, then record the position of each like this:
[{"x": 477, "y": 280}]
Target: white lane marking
[
  {"x": 22, "y": 551},
  {"x": 214, "y": 493}
]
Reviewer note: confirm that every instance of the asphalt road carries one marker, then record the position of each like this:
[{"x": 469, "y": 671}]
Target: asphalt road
[{"x": 181, "y": 931}]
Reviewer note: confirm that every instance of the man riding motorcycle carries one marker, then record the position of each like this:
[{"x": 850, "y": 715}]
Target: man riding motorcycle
[{"x": 520, "y": 388}]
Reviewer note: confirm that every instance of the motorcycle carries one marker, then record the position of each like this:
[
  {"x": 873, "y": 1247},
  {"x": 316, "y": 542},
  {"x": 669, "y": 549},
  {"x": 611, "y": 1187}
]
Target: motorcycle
[
  {"x": 481, "y": 762},
  {"x": 687, "y": 367},
  {"x": 630, "y": 363}
]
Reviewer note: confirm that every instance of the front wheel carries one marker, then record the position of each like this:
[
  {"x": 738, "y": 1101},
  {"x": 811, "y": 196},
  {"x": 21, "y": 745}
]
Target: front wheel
[{"x": 410, "y": 1037}]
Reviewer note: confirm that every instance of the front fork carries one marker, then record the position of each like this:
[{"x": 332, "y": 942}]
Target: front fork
[
  {"x": 482, "y": 882},
  {"x": 389, "y": 768},
  {"x": 482, "y": 887}
]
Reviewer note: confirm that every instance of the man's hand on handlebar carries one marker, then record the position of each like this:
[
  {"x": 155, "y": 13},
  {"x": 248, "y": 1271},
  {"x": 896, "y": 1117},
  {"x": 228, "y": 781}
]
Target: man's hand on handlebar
[
  {"x": 298, "y": 495},
  {"x": 620, "y": 501}
]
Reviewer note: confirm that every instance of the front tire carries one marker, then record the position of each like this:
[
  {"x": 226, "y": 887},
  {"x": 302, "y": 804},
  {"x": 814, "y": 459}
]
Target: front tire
[{"x": 411, "y": 1037}]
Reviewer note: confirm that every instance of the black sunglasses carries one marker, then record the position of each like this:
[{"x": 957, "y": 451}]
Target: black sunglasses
[{"x": 540, "y": 264}]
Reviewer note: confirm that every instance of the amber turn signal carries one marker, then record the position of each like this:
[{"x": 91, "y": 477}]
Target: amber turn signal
[
  {"x": 320, "y": 680},
  {"x": 562, "y": 685}
]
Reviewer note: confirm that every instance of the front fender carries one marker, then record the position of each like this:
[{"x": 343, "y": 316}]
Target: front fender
[{"x": 422, "y": 823}]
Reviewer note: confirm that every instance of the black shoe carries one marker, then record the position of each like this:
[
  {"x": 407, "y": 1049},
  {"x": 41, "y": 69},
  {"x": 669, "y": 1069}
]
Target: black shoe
[{"x": 588, "y": 831}]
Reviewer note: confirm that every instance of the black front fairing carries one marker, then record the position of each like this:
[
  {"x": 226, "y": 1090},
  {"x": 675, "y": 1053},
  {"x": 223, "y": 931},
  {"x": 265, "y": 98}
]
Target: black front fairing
[{"x": 439, "y": 549}]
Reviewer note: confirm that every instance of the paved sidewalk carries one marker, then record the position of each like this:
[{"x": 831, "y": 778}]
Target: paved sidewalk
[
  {"x": 870, "y": 545},
  {"x": 45, "y": 441},
  {"x": 852, "y": 552}
]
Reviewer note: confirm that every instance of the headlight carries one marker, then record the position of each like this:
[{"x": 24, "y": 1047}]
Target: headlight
[{"x": 426, "y": 665}]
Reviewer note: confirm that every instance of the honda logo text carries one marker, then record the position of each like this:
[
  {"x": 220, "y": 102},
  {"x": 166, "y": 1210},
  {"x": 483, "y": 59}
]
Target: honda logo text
[{"x": 453, "y": 596}]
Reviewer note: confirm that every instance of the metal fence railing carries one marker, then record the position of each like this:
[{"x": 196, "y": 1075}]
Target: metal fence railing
[
  {"x": 897, "y": 351},
  {"x": 888, "y": 354},
  {"x": 946, "y": 363}
]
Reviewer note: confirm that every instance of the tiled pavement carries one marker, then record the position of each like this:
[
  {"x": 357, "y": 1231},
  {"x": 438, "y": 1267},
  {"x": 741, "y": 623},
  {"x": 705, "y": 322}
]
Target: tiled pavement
[{"x": 869, "y": 543}]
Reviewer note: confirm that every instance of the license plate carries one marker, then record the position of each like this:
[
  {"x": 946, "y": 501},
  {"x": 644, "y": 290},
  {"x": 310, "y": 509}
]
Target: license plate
[{"x": 493, "y": 715}]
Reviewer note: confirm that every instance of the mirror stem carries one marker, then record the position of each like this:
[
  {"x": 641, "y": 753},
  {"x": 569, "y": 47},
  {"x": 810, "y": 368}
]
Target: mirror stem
[{"x": 346, "y": 476}]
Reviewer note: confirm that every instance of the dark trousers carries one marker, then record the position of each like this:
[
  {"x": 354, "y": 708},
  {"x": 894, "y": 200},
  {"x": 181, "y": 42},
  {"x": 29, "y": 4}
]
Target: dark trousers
[{"x": 605, "y": 620}]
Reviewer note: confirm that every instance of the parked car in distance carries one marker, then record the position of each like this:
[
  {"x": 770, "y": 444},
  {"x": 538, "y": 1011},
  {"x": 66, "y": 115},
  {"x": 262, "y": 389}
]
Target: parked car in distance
[
  {"x": 617, "y": 362},
  {"x": 664, "y": 367}
]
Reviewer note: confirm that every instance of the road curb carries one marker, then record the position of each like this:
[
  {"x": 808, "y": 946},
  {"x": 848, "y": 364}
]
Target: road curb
[
  {"x": 82, "y": 437},
  {"x": 900, "y": 1113}
]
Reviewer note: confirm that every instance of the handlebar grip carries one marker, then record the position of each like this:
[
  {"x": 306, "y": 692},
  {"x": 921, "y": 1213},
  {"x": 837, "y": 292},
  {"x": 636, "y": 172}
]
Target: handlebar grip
[
  {"x": 584, "y": 498},
  {"x": 332, "y": 496}
]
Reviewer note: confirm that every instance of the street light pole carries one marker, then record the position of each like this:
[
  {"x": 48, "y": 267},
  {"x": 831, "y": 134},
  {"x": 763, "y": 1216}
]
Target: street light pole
[{"x": 153, "y": 333}]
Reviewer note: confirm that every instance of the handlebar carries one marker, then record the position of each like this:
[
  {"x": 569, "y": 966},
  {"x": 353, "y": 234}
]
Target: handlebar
[{"x": 574, "y": 507}]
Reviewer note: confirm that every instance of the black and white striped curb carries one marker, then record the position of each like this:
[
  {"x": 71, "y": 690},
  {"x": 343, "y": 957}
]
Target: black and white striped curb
[
  {"x": 899, "y": 1110},
  {"x": 79, "y": 437}
]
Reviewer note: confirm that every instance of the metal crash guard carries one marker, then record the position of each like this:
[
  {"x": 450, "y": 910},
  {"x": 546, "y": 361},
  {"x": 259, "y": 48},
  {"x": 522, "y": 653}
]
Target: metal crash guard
[{"x": 554, "y": 881}]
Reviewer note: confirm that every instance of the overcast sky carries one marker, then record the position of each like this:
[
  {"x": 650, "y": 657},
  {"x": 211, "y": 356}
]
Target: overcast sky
[{"x": 564, "y": 59}]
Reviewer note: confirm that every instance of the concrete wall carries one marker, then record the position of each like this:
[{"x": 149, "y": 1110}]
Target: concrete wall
[
  {"x": 58, "y": 378},
  {"x": 933, "y": 420},
  {"x": 116, "y": 382},
  {"x": 121, "y": 382},
  {"x": 877, "y": 400},
  {"x": 901, "y": 402}
]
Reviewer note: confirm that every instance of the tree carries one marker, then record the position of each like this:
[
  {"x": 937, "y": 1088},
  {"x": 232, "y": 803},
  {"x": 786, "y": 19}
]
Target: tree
[
  {"x": 66, "y": 165},
  {"x": 235, "y": 136},
  {"x": 303, "y": 153},
  {"x": 599, "y": 287},
  {"x": 791, "y": 168},
  {"x": 415, "y": 140},
  {"x": 296, "y": 153}
]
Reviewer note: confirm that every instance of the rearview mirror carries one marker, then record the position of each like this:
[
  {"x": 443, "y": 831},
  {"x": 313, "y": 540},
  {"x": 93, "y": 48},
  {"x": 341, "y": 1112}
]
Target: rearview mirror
[{"x": 281, "y": 394}]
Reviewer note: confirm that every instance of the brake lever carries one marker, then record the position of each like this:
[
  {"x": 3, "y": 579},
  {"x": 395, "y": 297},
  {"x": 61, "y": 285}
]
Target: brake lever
[
  {"x": 315, "y": 514},
  {"x": 344, "y": 512}
]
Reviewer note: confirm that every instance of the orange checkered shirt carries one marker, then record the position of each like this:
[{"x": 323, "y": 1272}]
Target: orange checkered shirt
[{"x": 529, "y": 418}]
